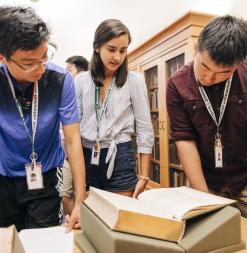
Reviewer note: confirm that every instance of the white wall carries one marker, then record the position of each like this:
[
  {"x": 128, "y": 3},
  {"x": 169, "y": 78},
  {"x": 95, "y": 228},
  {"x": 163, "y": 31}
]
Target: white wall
[{"x": 73, "y": 22}]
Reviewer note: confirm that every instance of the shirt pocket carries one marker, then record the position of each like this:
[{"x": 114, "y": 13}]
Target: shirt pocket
[
  {"x": 237, "y": 108},
  {"x": 198, "y": 113}
]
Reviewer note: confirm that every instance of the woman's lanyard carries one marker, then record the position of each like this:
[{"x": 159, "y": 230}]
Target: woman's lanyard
[
  {"x": 218, "y": 146},
  {"x": 100, "y": 112},
  {"x": 35, "y": 103}
]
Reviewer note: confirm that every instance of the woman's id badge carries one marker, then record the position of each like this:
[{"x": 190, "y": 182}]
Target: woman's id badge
[
  {"x": 34, "y": 176},
  {"x": 95, "y": 153}
]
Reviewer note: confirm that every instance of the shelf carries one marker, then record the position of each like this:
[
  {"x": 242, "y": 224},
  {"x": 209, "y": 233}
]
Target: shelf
[
  {"x": 176, "y": 166},
  {"x": 151, "y": 184},
  {"x": 154, "y": 110},
  {"x": 155, "y": 161},
  {"x": 153, "y": 87}
]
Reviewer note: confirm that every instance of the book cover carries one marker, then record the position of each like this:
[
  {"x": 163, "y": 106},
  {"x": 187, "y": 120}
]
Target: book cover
[{"x": 9, "y": 240}]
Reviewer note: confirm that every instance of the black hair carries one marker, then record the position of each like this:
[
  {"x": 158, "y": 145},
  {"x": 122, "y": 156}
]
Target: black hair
[
  {"x": 107, "y": 30},
  {"x": 21, "y": 29},
  {"x": 80, "y": 62},
  {"x": 225, "y": 40}
]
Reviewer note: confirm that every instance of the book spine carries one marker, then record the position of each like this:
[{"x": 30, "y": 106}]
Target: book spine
[{"x": 183, "y": 231}]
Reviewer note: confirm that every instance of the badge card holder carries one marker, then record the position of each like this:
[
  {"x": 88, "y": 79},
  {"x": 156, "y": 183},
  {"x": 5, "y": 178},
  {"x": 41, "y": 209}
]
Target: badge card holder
[
  {"x": 95, "y": 154},
  {"x": 218, "y": 151},
  {"x": 34, "y": 175}
]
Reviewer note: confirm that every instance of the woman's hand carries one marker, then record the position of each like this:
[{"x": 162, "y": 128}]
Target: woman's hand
[{"x": 140, "y": 186}]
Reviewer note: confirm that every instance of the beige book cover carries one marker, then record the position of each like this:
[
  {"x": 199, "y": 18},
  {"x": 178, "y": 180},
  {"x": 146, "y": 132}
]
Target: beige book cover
[
  {"x": 47, "y": 240},
  {"x": 158, "y": 213},
  {"x": 9, "y": 241}
]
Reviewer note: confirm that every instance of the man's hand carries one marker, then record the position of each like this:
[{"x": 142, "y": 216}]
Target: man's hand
[{"x": 73, "y": 221}]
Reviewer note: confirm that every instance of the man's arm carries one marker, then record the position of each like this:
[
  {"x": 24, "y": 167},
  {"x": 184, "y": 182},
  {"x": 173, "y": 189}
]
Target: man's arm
[
  {"x": 76, "y": 162},
  {"x": 191, "y": 163}
]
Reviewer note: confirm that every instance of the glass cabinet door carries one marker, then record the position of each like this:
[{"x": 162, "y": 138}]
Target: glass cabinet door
[
  {"x": 151, "y": 77},
  {"x": 177, "y": 176}
]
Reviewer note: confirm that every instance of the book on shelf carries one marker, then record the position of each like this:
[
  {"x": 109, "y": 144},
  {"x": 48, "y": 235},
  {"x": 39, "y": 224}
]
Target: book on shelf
[
  {"x": 173, "y": 154},
  {"x": 158, "y": 213},
  {"x": 157, "y": 149},
  {"x": 155, "y": 173},
  {"x": 178, "y": 178},
  {"x": 155, "y": 122},
  {"x": 154, "y": 99}
]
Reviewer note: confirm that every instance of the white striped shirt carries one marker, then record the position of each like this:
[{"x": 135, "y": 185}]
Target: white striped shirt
[{"x": 128, "y": 105}]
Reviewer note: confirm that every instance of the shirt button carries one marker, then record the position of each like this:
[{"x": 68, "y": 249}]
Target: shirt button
[
  {"x": 240, "y": 101},
  {"x": 194, "y": 107}
]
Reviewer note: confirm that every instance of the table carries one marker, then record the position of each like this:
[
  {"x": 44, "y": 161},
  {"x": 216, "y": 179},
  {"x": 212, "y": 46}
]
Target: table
[{"x": 243, "y": 233}]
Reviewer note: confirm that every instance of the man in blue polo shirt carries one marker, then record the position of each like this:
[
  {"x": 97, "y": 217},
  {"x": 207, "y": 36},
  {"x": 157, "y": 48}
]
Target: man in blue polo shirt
[{"x": 35, "y": 96}]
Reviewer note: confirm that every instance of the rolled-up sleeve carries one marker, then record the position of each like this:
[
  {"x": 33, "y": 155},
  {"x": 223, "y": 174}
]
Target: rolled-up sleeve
[
  {"x": 181, "y": 125},
  {"x": 67, "y": 108},
  {"x": 143, "y": 124}
]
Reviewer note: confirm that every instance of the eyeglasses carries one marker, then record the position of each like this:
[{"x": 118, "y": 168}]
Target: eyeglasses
[{"x": 34, "y": 66}]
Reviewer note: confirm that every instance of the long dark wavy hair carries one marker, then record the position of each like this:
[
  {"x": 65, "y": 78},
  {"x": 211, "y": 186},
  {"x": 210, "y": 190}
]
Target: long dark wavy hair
[{"x": 107, "y": 30}]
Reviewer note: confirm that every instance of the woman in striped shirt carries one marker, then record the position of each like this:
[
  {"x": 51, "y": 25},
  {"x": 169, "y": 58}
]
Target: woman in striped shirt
[{"x": 113, "y": 104}]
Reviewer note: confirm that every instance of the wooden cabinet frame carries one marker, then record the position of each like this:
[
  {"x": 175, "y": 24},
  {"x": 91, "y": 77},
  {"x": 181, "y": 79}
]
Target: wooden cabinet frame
[{"x": 178, "y": 38}]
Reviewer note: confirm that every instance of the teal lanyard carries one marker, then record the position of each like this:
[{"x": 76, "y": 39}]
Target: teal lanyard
[
  {"x": 35, "y": 103},
  {"x": 100, "y": 110}
]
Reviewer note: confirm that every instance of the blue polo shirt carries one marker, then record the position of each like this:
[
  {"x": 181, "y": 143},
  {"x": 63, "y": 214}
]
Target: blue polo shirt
[{"x": 57, "y": 103}]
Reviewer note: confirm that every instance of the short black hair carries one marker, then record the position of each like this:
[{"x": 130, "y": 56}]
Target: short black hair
[
  {"x": 80, "y": 62},
  {"x": 21, "y": 29},
  {"x": 225, "y": 40}
]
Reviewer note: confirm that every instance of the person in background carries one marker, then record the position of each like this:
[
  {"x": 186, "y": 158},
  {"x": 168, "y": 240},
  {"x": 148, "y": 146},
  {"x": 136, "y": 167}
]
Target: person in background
[
  {"x": 113, "y": 104},
  {"x": 35, "y": 96},
  {"x": 76, "y": 64},
  {"x": 207, "y": 106}
]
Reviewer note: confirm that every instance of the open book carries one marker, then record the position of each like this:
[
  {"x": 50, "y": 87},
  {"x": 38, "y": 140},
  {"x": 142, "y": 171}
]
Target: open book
[
  {"x": 9, "y": 241},
  {"x": 158, "y": 213},
  {"x": 37, "y": 240},
  {"x": 47, "y": 240}
]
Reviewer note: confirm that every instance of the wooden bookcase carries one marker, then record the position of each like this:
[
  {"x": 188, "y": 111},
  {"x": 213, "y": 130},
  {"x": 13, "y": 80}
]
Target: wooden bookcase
[{"x": 157, "y": 59}]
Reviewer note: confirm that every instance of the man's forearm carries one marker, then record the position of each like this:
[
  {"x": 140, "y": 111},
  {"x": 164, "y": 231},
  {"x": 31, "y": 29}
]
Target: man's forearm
[
  {"x": 77, "y": 166},
  {"x": 191, "y": 163}
]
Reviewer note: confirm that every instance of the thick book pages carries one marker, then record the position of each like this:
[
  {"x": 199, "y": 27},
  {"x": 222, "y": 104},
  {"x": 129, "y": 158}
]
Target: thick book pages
[
  {"x": 158, "y": 213},
  {"x": 183, "y": 202}
]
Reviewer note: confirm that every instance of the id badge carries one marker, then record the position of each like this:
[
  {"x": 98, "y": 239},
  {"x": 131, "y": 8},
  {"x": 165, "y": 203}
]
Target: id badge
[
  {"x": 218, "y": 150},
  {"x": 34, "y": 176},
  {"x": 95, "y": 154}
]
